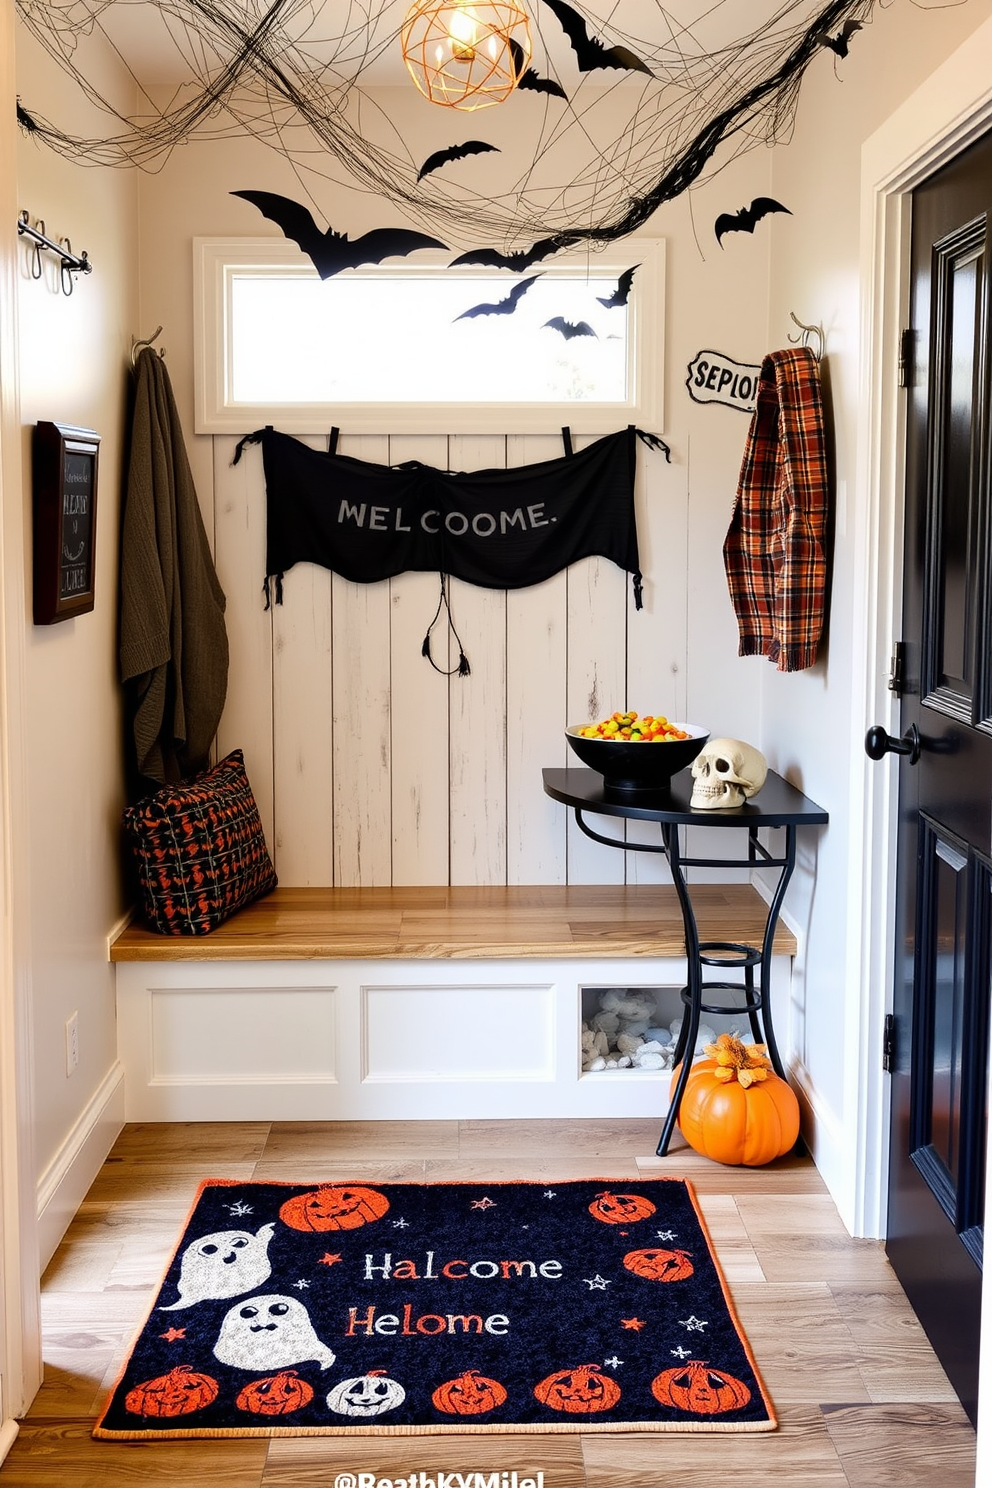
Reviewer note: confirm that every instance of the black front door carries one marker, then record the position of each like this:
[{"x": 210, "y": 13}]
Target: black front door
[{"x": 939, "y": 1048}]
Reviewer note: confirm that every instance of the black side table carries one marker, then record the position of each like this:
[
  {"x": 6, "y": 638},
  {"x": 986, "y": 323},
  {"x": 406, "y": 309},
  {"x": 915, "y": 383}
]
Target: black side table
[{"x": 777, "y": 804}]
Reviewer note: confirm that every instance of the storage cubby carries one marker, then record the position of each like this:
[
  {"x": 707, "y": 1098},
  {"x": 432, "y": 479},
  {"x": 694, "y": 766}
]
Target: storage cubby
[{"x": 644, "y": 1013}]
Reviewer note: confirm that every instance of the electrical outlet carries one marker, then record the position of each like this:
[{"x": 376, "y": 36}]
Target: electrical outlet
[{"x": 71, "y": 1043}]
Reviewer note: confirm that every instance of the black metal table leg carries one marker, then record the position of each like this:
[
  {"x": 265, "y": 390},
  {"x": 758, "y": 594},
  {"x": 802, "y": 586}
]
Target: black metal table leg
[
  {"x": 693, "y": 991},
  {"x": 778, "y": 805}
]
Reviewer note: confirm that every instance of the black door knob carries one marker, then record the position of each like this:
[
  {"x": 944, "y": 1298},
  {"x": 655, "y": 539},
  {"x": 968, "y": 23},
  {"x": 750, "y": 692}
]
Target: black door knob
[{"x": 878, "y": 743}]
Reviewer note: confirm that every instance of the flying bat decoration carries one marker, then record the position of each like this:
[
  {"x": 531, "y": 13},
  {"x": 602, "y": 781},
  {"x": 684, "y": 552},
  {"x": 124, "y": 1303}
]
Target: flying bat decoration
[
  {"x": 492, "y": 259},
  {"x": 840, "y": 42},
  {"x": 747, "y": 218},
  {"x": 569, "y": 329},
  {"x": 333, "y": 251},
  {"x": 622, "y": 292},
  {"x": 527, "y": 78},
  {"x": 25, "y": 120},
  {"x": 590, "y": 53},
  {"x": 501, "y": 307},
  {"x": 453, "y": 152},
  {"x": 655, "y": 442}
]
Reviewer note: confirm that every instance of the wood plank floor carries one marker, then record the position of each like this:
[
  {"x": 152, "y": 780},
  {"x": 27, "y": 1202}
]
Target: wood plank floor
[
  {"x": 496, "y": 921},
  {"x": 861, "y": 1399}
]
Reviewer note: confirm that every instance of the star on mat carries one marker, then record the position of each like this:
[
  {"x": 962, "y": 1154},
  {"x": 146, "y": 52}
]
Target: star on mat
[
  {"x": 300, "y": 1285},
  {"x": 666, "y": 1234},
  {"x": 486, "y": 1203},
  {"x": 680, "y": 1352},
  {"x": 239, "y": 1208},
  {"x": 401, "y": 1224},
  {"x": 613, "y": 1362},
  {"x": 634, "y": 1324},
  {"x": 172, "y": 1334},
  {"x": 694, "y": 1324},
  {"x": 550, "y": 1193},
  {"x": 329, "y": 1260},
  {"x": 596, "y": 1283}
]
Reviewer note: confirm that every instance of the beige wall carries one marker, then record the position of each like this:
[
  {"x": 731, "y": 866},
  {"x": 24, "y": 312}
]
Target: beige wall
[
  {"x": 813, "y": 724},
  {"x": 73, "y": 356},
  {"x": 417, "y": 820},
  {"x": 72, "y": 369}
]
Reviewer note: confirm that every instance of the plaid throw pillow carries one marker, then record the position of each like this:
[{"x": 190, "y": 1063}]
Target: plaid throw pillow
[{"x": 200, "y": 849}]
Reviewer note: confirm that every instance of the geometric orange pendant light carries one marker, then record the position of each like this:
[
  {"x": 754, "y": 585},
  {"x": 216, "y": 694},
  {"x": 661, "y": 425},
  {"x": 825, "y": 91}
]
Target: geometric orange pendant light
[{"x": 466, "y": 54}]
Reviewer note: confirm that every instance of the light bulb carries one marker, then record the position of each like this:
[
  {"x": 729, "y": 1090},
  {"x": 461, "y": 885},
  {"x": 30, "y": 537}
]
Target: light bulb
[{"x": 463, "y": 33}]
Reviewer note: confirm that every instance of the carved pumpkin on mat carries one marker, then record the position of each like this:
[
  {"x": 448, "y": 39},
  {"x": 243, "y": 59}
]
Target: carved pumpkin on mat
[
  {"x": 368, "y": 1394},
  {"x": 697, "y": 1388},
  {"x": 471, "y": 1394},
  {"x": 735, "y": 1109},
  {"x": 276, "y": 1395},
  {"x": 579, "y": 1392},
  {"x": 343, "y": 1207},
  {"x": 173, "y": 1394},
  {"x": 617, "y": 1209},
  {"x": 659, "y": 1265}
]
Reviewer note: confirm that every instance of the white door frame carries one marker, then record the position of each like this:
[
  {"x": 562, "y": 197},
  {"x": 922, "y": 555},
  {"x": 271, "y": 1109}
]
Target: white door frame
[{"x": 949, "y": 111}]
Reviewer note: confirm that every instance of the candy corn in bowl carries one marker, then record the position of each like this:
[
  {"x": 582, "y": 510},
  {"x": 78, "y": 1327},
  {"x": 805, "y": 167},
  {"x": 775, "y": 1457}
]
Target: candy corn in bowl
[{"x": 636, "y": 754}]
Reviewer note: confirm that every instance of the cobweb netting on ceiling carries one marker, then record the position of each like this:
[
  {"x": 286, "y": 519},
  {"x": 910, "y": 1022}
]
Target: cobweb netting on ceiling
[{"x": 305, "y": 76}]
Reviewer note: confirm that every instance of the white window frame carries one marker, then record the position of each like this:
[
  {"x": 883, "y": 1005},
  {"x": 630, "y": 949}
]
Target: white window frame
[{"x": 216, "y": 261}]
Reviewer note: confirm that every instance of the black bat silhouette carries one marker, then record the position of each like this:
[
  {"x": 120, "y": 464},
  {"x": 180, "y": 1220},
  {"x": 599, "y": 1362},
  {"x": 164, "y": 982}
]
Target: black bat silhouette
[
  {"x": 655, "y": 442},
  {"x": 839, "y": 43},
  {"x": 491, "y": 258},
  {"x": 567, "y": 329},
  {"x": 453, "y": 152},
  {"x": 622, "y": 291},
  {"x": 590, "y": 53},
  {"x": 333, "y": 251},
  {"x": 746, "y": 219},
  {"x": 528, "y": 78},
  {"x": 501, "y": 307},
  {"x": 25, "y": 120}
]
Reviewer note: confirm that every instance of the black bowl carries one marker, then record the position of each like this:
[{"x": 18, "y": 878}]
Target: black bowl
[{"x": 631, "y": 770}]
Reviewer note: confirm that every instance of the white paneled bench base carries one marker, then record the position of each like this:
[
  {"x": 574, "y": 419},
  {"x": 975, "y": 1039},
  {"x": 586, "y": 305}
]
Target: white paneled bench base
[{"x": 366, "y": 1004}]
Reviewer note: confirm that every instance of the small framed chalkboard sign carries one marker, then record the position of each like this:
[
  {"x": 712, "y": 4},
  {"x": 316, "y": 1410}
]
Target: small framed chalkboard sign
[{"x": 64, "y": 489}]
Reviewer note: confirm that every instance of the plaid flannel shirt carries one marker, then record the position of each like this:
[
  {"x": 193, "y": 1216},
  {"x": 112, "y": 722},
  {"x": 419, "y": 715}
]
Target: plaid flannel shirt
[{"x": 774, "y": 550}]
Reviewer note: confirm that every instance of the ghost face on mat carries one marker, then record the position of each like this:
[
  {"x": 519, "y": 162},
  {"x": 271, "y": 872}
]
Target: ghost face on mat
[
  {"x": 269, "y": 1333},
  {"x": 224, "y": 1264}
]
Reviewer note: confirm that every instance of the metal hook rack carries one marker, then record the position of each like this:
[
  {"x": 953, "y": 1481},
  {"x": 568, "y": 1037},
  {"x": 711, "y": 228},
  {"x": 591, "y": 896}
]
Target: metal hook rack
[
  {"x": 805, "y": 332},
  {"x": 137, "y": 346},
  {"x": 69, "y": 263}
]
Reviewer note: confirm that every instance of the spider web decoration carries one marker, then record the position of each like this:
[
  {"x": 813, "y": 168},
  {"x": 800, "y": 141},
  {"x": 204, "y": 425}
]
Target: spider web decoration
[{"x": 295, "y": 74}]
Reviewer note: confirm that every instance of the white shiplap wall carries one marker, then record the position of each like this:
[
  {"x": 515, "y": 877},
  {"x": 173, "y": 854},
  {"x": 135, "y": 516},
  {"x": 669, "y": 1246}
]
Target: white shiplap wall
[{"x": 371, "y": 768}]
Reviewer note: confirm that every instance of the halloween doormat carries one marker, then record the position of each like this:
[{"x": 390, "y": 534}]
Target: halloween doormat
[{"x": 405, "y": 1308}]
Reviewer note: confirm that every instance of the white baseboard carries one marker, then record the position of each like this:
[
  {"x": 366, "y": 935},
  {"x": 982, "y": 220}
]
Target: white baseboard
[
  {"x": 824, "y": 1135},
  {"x": 120, "y": 926},
  {"x": 8, "y": 1431},
  {"x": 64, "y": 1184}
]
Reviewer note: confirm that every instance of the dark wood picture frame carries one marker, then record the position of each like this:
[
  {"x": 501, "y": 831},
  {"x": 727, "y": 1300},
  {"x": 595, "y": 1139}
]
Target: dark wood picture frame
[{"x": 64, "y": 486}]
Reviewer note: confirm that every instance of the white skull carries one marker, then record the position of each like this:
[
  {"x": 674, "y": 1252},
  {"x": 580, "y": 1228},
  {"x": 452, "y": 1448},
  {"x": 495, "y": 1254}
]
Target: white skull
[{"x": 726, "y": 773}]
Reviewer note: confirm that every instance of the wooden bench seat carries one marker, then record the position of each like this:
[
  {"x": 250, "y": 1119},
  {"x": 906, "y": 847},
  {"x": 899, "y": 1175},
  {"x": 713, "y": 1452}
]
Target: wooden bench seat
[
  {"x": 485, "y": 923},
  {"x": 399, "y": 1003}
]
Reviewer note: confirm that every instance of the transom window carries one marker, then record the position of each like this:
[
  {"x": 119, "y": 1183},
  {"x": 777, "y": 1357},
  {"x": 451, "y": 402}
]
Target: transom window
[{"x": 390, "y": 348}]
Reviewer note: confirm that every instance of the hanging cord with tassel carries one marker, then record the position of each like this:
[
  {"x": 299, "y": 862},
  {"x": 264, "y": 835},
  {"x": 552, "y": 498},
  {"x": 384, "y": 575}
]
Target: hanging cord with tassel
[{"x": 463, "y": 669}]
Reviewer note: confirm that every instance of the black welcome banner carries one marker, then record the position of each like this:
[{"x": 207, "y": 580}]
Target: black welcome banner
[{"x": 499, "y": 529}]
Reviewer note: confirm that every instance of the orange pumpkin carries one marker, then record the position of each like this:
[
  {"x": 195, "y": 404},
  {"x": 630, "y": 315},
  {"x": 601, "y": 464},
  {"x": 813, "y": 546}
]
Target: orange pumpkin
[
  {"x": 471, "y": 1394},
  {"x": 614, "y": 1208},
  {"x": 659, "y": 1265},
  {"x": 276, "y": 1395},
  {"x": 579, "y": 1392},
  {"x": 697, "y": 1388},
  {"x": 345, "y": 1207},
  {"x": 173, "y": 1394},
  {"x": 735, "y": 1109}
]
